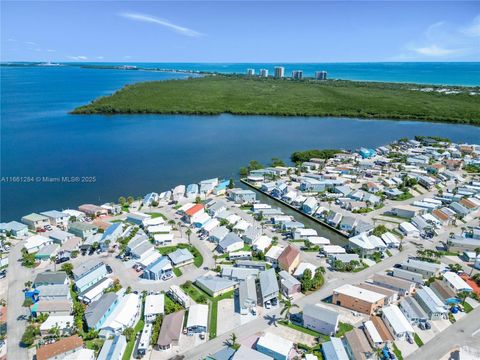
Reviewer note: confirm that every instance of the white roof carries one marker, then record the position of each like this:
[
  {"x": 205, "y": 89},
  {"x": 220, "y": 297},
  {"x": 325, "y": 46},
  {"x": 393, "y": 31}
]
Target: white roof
[
  {"x": 36, "y": 241},
  {"x": 163, "y": 237},
  {"x": 62, "y": 321},
  {"x": 372, "y": 331},
  {"x": 201, "y": 217},
  {"x": 186, "y": 206},
  {"x": 197, "y": 315},
  {"x": 333, "y": 249},
  {"x": 124, "y": 312},
  {"x": 389, "y": 238},
  {"x": 211, "y": 224},
  {"x": 397, "y": 320},
  {"x": 262, "y": 242},
  {"x": 159, "y": 229},
  {"x": 275, "y": 343},
  {"x": 306, "y": 232},
  {"x": 154, "y": 304},
  {"x": 318, "y": 240},
  {"x": 150, "y": 257},
  {"x": 456, "y": 281},
  {"x": 359, "y": 293},
  {"x": 274, "y": 252},
  {"x": 408, "y": 227},
  {"x": 97, "y": 290},
  {"x": 304, "y": 266},
  {"x": 242, "y": 225},
  {"x": 75, "y": 213},
  {"x": 153, "y": 221},
  {"x": 233, "y": 219},
  {"x": 82, "y": 354}
]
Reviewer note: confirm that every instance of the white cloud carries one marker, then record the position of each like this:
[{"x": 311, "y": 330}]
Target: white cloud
[
  {"x": 30, "y": 43},
  {"x": 51, "y": 50},
  {"x": 162, "y": 22},
  {"x": 434, "y": 50},
  {"x": 473, "y": 29},
  {"x": 77, "y": 58}
]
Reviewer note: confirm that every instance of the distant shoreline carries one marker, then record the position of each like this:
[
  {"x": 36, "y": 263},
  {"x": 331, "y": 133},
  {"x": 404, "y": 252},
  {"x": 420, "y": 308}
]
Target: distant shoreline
[{"x": 243, "y": 95}]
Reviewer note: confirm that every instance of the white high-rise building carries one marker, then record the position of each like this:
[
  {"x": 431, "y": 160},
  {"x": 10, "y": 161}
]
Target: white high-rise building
[
  {"x": 250, "y": 72},
  {"x": 297, "y": 74},
  {"x": 320, "y": 75},
  {"x": 264, "y": 72},
  {"x": 279, "y": 72}
]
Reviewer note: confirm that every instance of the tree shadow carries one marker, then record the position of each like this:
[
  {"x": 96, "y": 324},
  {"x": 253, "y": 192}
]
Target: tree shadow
[{"x": 271, "y": 319}]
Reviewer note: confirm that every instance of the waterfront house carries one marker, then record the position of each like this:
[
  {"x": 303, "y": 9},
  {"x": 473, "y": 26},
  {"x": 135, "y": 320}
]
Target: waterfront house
[
  {"x": 113, "y": 349},
  {"x": 137, "y": 218},
  {"x": 358, "y": 299},
  {"x": 303, "y": 234},
  {"x": 348, "y": 223},
  {"x": 35, "y": 221},
  {"x": 160, "y": 269},
  {"x": 241, "y": 196},
  {"x": 170, "y": 330},
  {"x": 308, "y": 184},
  {"x": 98, "y": 311},
  {"x": 93, "y": 210},
  {"x": 334, "y": 218},
  {"x": 215, "y": 285},
  {"x": 15, "y": 229},
  {"x": 320, "y": 319},
  {"x": 310, "y": 206},
  {"x": 197, "y": 320},
  {"x": 57, "y": 218},
  {"x": 289, "y": 258},
  {"x": 289, "y": 285},
  {"x": 82, "y": 229},
  {"x": 275, "y": 346},
  {"x": 268, "y": 285},
  {"x": 334, "y": 349},
  {"x": 396, "y": 322},
  {"x": 247, "y": 295}
]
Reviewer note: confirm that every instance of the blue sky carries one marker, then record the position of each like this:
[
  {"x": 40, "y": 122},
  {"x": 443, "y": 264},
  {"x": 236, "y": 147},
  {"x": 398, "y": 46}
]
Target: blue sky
[{"x": 240, "y": 31}]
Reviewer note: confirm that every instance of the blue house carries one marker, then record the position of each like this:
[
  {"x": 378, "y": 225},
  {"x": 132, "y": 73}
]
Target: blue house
[
  {"x": 98, "y": 311},
  {"x": 367, "y": 153},
  {"x": 192, "y": 190},
  {"x": 160, "y": 269},
  {"x": 111, "y": 235},
  {"x": 279, "y": 190},
  {"x": 221, "y": 188}
]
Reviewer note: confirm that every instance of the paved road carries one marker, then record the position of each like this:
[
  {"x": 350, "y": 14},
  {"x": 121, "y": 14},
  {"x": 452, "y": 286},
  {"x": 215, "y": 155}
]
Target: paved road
[
  {"x": 465, "y": 331},
  {"x": 261, "y": 324},
  {"x": 17, "y": 276}
]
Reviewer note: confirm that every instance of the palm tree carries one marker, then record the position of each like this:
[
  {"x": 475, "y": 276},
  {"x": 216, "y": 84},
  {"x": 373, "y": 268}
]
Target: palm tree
[
  {"x": 477, "y": 252},
  {"x": 233, "y": 339},
  {"x": 180, "y": 228},
  {"x": 287, "y": 307},
  {"x": 188, "y": 233},
  {"x": 378, "y": 352},
  {"x": 463, "y": 295}
]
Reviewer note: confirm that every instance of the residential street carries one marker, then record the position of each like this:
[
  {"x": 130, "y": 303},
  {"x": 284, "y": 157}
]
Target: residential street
[
  {"x": 261, "y": 324},
  {"x": 465, "y": 331}
]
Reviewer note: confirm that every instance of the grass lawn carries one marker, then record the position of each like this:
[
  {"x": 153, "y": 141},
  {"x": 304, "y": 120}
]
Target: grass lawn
[
  {"x": 242, "y": 95},
  {"x": 131, "y": 344},
  {"x": 95, "y": 344},
  {"x": 397, "y": 352},
  {"x": 343, "y": 328},
  {"x": 304, "y": 330},
  {"x": 177, "y": 272},
  {"x": 417, "y": 340},
  {"x": 198, "y": 295},
  {"x": 467, "y": 307},
  {"x": 156, "y": 215}
]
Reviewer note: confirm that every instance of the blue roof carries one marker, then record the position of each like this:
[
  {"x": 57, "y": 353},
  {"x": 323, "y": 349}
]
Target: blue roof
[
  {"x": 111, "y": 229},
  {"x": 159, "y": 264}
]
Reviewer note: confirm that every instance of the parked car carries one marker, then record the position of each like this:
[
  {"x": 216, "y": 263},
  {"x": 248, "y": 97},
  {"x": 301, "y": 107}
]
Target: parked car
[
  {"x": 428, "y": 325},
  {"x": 422, "y": 326},
  {"x": 268, "y": 305}
]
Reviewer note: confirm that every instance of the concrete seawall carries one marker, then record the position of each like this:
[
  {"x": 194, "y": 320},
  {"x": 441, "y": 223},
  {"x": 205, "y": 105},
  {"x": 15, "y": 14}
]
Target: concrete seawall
[{"x": 312, "y": 218}]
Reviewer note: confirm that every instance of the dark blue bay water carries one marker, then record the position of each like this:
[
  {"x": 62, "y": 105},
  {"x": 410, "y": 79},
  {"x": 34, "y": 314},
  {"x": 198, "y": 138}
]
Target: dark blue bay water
[{"x": 132, "y": 155}]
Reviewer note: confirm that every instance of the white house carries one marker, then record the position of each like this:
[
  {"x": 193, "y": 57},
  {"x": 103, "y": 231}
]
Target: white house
[
  {"x": 154, "y": 305},
  {"x": 36, "y": 242},
  {"x": 396, "y": 322}
]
